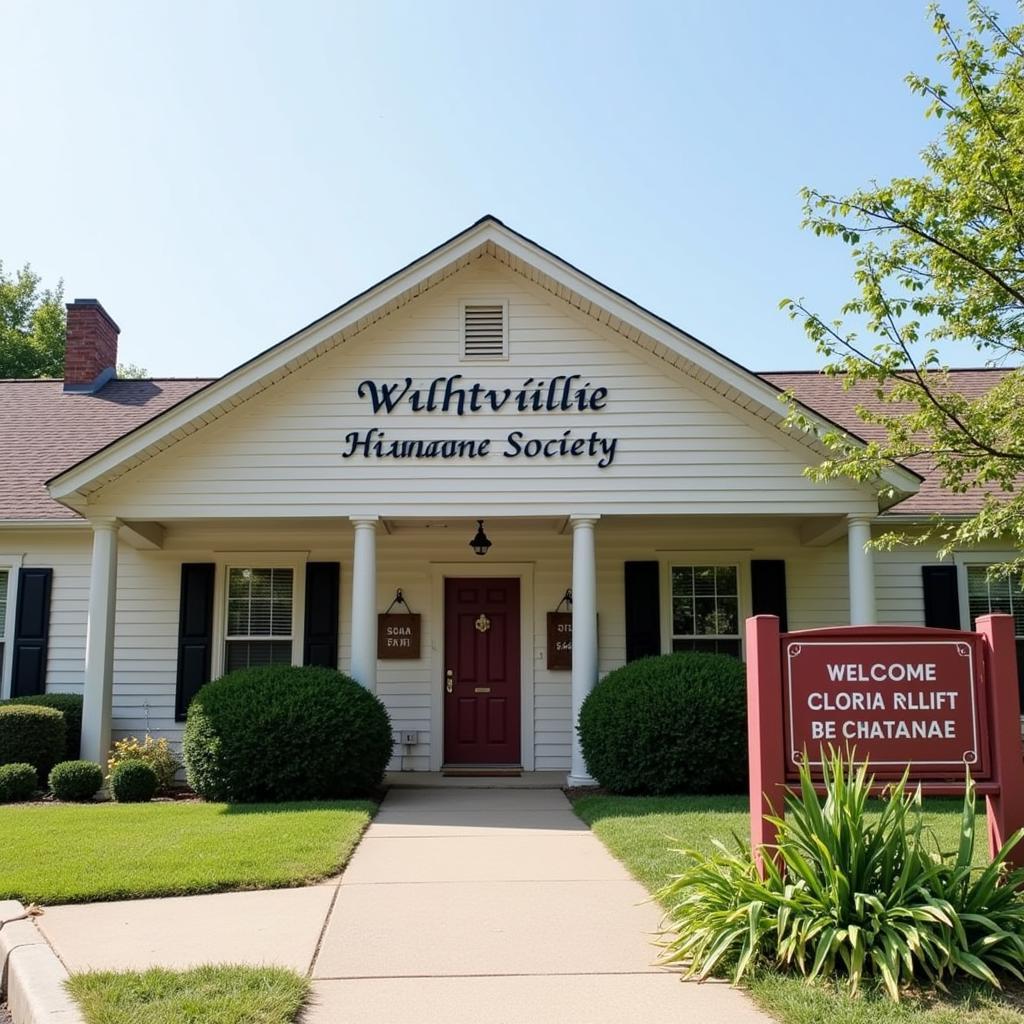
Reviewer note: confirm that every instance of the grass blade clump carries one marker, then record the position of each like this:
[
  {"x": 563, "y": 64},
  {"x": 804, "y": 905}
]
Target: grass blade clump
[{"x": 851, "y": 894}]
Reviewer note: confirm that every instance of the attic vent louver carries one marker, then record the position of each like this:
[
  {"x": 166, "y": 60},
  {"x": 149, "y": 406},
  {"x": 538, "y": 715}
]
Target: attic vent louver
[{"x": 484, "y": 330}]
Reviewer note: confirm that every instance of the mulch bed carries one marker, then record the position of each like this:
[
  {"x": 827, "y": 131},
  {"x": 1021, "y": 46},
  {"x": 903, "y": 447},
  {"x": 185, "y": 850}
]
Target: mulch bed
[{"x": 184, "y": 797}]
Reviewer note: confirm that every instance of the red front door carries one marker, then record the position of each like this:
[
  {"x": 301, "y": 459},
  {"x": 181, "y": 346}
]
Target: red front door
[{"x": 481, "y": 684}]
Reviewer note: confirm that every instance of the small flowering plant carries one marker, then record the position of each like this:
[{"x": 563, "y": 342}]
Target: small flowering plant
[{"x": 155, "y": 752}]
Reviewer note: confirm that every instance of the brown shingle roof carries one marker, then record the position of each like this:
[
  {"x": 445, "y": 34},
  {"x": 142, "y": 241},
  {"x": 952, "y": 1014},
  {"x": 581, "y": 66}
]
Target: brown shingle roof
[
  {"x": 826, "y": 395},
  {"x": 44, "y": 430}
]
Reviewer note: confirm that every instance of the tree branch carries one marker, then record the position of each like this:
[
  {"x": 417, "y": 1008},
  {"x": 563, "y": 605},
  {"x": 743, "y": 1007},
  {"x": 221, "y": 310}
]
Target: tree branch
[{"x": 914, "y": 229}]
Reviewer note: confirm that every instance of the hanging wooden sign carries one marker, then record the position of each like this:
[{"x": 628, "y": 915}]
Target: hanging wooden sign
[
  {"x": 398, "y": 633},
  {"x": 559, "y": 640},
  {"x": 398, "y": 636}
]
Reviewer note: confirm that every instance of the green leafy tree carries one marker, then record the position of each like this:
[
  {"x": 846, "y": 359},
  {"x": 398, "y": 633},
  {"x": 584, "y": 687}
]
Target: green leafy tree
[
  {"x": 33, "y": 329},
  {"x": 939, "y": 265},
  {"x": 129, "y": 371},
  {"x": 32, "y": 326}
]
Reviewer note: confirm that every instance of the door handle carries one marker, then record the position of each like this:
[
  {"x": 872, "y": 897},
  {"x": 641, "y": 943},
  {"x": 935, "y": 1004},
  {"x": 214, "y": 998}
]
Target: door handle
[{"x": 449, "y": 680}]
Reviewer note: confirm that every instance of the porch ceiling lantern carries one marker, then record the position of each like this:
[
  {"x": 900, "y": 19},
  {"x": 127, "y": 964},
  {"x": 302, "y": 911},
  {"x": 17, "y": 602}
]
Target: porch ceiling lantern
[{"x": 480, "y": 543}]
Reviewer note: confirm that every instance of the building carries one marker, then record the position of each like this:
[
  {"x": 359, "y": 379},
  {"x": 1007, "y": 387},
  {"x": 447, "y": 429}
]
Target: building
[{"x": 157, "y": 533}]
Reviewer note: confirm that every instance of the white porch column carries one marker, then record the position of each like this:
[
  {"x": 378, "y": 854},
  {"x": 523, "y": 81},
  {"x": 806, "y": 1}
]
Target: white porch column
[
  {"x": 584, "y": 633},
  {"x": 99, "y": 642},
  {"x": 862, "y": 571},
  {"x": 364, "y": 601}
]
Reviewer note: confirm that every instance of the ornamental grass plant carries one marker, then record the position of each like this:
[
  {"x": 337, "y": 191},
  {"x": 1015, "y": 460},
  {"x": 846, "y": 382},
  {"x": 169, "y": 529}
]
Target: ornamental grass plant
[{"x": 850, "y": 896}]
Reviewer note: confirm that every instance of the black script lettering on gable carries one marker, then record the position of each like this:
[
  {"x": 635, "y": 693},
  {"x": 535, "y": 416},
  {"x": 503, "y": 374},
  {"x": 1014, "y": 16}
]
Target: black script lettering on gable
[{"x": 451, "y": 395}]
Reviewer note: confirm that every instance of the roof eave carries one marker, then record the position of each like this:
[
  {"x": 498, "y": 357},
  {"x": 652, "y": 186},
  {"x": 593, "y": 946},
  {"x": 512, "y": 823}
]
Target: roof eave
[{"x": 41, "y": 523}]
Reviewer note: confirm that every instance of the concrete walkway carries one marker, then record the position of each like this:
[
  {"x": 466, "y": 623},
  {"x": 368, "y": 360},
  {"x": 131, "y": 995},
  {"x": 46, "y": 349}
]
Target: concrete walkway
[{"x": 460, "y": 905}]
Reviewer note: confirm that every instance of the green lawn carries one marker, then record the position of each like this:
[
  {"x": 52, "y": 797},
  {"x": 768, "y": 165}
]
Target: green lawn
[
  {"x": 205, "y": 995},
  {"x": 73, "y": 853},
  {"x": 642, "y": 831}
]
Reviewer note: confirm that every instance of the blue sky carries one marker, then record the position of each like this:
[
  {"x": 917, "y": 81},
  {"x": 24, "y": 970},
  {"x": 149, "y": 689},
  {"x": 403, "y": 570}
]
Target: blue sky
[{"x": 220, "y": 174}]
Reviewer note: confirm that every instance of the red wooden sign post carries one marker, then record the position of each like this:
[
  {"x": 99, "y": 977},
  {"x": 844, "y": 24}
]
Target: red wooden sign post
[{"x": 938, "y": 700}]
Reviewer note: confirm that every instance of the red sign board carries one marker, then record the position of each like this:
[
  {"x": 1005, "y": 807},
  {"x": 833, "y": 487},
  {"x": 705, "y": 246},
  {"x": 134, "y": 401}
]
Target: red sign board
[
  {"x": 937, "y": 700},
  {"x": 895, "y": 701}
]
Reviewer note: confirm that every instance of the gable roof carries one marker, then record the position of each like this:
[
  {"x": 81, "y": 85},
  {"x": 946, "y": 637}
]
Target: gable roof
[
  {"x": 487, "y": 237},
  {"x": 831, "y": 398},
  {"x": 44, "y": 429}
]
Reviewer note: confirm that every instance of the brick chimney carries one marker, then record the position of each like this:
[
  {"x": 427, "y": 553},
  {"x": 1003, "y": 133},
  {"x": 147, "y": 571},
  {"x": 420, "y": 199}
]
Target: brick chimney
[{"x": 91, "y": 355}]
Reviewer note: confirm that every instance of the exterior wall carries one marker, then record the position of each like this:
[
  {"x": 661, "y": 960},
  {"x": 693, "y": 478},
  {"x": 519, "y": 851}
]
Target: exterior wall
[
  {"x": 146, "y": 629},
  {"x": 67, "y": 551},
  {"x": 415, "y": 557},
  {"x": 681, "y": 448}
]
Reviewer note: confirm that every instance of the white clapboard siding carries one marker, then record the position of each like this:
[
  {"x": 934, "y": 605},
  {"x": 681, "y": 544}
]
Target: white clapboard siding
[
  {"x": 681, "y": 448},
  {"x": 67, "y": 553},
  {"x": 148, "y": 593}
]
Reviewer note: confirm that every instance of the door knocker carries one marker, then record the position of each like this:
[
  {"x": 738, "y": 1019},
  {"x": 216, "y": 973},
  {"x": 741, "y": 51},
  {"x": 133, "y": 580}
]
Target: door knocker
[{"x": 483, "y": 623}]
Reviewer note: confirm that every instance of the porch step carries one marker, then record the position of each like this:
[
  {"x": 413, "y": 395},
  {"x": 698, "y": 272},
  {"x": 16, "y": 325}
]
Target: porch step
[{"x": 481, "y": 771}]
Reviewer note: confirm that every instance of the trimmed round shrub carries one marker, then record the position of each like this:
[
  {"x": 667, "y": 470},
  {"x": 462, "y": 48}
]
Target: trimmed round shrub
[
  {"x": 70, "y": 706},
  {"x": 676, "y": 723},
  {"x": 133, "y": 782},
  {"x": 285, "y": 733},
  {"x": 32, "y": 735},
  {"x": 76, "y": 780},
  {"x": 17, "y": 782}
]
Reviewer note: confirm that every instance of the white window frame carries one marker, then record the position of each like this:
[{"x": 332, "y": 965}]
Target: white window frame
[
  {"x": 741, "y": 562},
  {"x": 963, "y": 559},
  {"x": 12, "y": 565},
  {"x": 257, "y": 560},
  {"x": 505, "y": 328},
  {"x": 970, "y": 558}
]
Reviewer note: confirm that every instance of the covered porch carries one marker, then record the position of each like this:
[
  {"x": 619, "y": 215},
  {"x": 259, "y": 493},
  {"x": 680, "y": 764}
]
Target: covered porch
[{"x": 640, "y": 584}]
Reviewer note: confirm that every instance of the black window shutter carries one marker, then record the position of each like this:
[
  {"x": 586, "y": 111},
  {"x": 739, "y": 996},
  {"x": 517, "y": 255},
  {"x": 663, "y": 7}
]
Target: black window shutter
[
  {"x": 941, "y": 596},
  {"x": 320, "y": 646},
  {"x": 195, "y": 633},
  {"x": 768, "y": 589},
  {"x": 31, "y": 632},
  {"x": 643, "y": 610}
]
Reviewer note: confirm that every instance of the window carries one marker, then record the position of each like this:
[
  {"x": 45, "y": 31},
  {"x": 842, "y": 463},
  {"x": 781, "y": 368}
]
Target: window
[
  {"x": 1002, "y": 594},
  {"x": 706, "y": 609},
  {"x": 259, "y": 618},
  {"x": 484, "y": 330}
]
